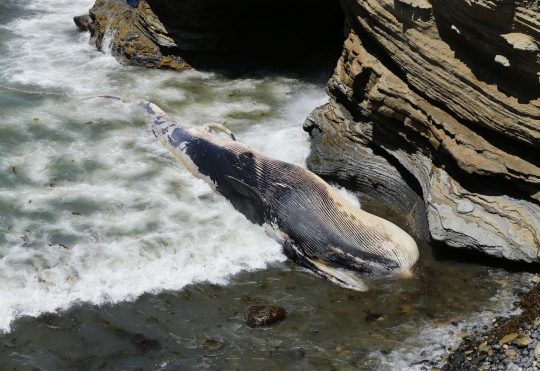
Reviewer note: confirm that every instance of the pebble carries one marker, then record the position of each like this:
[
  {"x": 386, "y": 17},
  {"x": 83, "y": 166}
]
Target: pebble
[
  {"x": 508, "y": 338},
  {"x": 523, "y": 342},
  {"x": 511, "y": 353},
  {"x": 535, "y": 279},
  {"x": 481, "y": 348}
]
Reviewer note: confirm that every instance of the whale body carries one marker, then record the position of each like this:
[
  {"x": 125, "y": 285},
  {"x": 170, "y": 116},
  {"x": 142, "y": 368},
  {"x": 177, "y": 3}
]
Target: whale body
[{"x": 318, "y": 228}]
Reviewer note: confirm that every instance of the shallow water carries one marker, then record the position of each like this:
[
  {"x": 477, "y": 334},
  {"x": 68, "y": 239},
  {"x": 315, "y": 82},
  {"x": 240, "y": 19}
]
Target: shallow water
[{"x": 113, "y": 256}]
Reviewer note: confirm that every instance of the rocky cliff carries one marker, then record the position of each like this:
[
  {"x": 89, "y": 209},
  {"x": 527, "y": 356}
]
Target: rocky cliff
[
  {"x": 435, "y": 110},
  {"x": 434, "y": 104}
]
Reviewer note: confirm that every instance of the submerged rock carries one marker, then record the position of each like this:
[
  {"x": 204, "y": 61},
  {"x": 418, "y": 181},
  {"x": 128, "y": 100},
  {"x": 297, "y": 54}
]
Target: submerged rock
[
  {"x": 144, "y": 343},
  {"x": 263, "y": 315},
  {"x": 368, "y": 364},
  {"x": 210, "y": 344}
]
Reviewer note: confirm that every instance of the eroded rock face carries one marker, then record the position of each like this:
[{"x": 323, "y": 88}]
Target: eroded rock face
[{"x": 445, "y": 94}]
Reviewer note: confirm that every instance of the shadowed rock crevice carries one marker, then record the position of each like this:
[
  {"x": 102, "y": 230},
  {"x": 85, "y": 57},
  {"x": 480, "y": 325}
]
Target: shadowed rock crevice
[{"x": 224, "y": 35}]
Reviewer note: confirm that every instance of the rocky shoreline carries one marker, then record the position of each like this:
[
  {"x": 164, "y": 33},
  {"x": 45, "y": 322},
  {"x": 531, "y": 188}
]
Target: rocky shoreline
[
  {"x": 417, "y": 109},
  {"x": 510, "y": 343}
]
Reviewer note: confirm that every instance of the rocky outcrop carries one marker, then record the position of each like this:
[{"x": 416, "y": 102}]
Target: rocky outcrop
[
  {"x": 438, "y": 101},
  {"x": 133, "y": 34}
]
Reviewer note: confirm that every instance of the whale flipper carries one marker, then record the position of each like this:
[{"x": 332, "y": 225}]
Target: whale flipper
[
  {"x": 250, "y": 201},
  {"x": 244, "y": 189}
]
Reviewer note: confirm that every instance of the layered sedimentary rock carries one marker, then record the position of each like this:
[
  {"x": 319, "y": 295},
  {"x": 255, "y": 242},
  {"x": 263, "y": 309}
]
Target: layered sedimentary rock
[{"x": 445, "y": 92}]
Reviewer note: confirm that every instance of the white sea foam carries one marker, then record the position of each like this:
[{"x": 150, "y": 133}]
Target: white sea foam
[
  {"x": 348, "y": 195},
  {"x": 98, "y": 211}
]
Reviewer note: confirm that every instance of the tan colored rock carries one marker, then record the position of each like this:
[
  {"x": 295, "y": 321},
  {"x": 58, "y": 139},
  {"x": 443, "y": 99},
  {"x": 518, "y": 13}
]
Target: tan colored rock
[
  {"x": 510, "y": 353},
  {"x": 524, "y": 341},
  {"x": 451, "y": 80},
  {"x": 508, "y": 338},
  {"x": 485, "y": 349},
  {"x": 420, "y": 4},
  {"x": 502, "y": 60},
  {"x": 521, "y": 42}
]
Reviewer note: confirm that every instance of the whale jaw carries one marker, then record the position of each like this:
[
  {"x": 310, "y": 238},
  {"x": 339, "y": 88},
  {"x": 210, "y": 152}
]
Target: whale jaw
[{"x": 339, "y": 276}]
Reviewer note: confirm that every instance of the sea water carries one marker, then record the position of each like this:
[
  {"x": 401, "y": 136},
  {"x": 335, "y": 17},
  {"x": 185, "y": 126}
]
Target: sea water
[{"x": 113, "y": 256}]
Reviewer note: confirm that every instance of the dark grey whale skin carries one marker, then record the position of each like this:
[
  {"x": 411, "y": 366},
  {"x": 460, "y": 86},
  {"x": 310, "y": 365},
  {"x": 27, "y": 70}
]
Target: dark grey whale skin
[{"x": 313, "y": 223}]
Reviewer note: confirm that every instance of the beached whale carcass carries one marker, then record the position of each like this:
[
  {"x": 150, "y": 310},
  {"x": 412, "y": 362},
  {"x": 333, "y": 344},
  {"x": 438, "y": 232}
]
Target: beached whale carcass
[{"x": 315, "y": 224}]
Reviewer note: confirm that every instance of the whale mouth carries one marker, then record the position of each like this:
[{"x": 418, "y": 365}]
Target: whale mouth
[{"x": 340, "y": 276}]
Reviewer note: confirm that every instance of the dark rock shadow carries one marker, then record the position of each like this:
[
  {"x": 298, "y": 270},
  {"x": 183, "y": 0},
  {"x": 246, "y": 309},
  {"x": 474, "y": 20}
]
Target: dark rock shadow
[
  {"x": 450, "y": 254},
  {"x": 233, "y": 37}
]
